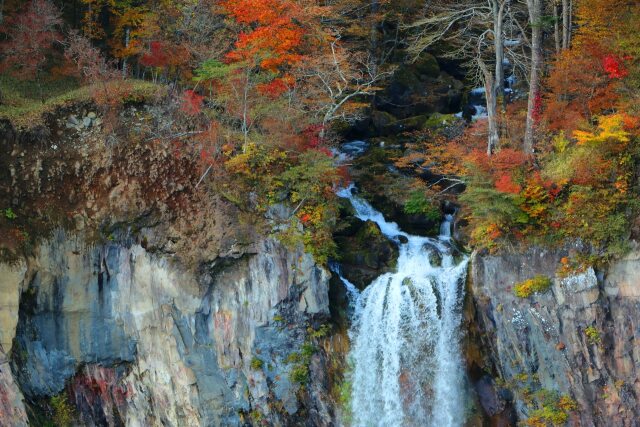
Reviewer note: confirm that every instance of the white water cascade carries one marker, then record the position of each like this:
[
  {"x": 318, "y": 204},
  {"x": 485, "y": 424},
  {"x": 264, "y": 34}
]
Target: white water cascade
[{"x": 407, "y": 366}]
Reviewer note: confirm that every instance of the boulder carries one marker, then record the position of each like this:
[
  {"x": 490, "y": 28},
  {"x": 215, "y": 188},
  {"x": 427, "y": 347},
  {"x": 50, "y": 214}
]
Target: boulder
[
  {"x": 419, "y": 88},
  {"x": 365, "y": 254},
  {"x": 415, "y": 224},
  {"x": 385, "y": 124}
]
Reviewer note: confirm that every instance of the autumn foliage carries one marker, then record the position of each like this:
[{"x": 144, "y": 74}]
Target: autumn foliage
[
  {"x": 157, "y": 56},
  {"x": 579, "y": 190},
  {"x": 254, "y": 86},
  {"x": 272, "y": 37},
  {"x": 191, "y": 102},
  {"x": 32, "y": 34},
  {"x": 580, "y": 184}
]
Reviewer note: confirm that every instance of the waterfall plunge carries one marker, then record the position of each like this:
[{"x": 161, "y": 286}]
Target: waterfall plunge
[{"x": 407, "y": 367}]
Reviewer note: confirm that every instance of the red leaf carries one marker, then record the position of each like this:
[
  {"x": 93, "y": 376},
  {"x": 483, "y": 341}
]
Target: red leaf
[
  {"x": 505, "y": 184},
  {"x": 191, "y": 102},
  {"x": 156, "y": 57},
  {"x": 614, "y": 67}
]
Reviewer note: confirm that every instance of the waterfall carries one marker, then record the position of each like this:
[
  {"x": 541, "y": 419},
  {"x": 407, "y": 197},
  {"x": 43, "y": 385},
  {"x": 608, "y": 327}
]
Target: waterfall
[{"x": 407, "y": 366}]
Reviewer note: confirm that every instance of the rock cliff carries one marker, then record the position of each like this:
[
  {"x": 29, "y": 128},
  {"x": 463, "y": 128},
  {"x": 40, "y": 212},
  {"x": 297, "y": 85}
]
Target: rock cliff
[
  {"x": 578, "y": 339},
  {"x": 131, "y": 338}
]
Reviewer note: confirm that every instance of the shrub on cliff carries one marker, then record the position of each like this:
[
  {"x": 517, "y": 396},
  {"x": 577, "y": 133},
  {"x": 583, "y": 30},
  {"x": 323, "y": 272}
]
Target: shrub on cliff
[
  {"x": 553, "y": 410},
  {"x": 418, "y": 203},
  {"x": 538, "y": 284},
  {"x": 304, "y": 180}
]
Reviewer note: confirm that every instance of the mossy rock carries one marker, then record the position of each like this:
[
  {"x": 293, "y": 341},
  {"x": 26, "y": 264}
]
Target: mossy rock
[
  {"x": 382, "y": 122},
  {"x": 412, "y": 223},
  {"x": 376, "y": 160},
  {"x": 439, "y": 121},
  {"x": 412, "y": 123},
  {"x": 427, "y": 65},
  {"x": 421, "y": 88},
  {"x": 435, "y": 258},
  {"x": 348, "y": 224},
  {"x": 366, "y": 255},
  {"x": 406, "y": 76},
  {"x": 387, "y": 125},
  {"x": 341, "y": 126}
]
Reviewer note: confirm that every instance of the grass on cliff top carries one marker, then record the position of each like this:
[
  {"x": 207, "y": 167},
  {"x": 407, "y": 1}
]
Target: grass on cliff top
[{"x": 22, "y": 104}]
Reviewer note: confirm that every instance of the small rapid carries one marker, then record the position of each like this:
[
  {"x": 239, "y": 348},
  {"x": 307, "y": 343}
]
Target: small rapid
[{"x": 405, "y": 333}]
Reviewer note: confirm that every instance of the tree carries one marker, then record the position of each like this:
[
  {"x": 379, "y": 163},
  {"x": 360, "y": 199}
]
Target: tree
[
  {"x": 535, "y": 8},
  {"x": 90, "y": 64},
  {"x": 589, "y": 78},
  {"x": 567, "y": 14},
  {"x": 133, "y": 24},
  {"x": 257, "y": 69},
  {"x": 335, "y": 78},
  {"x": 370, "y": 26},
  {"x": 475, "y": 28},
  {"x": 33, "y": 32}
]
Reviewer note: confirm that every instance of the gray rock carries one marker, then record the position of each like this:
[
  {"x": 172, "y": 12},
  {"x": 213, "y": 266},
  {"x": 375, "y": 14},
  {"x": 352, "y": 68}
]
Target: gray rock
[
  {"x": 543, "y": 337},
  {"x": 170, "y": 344},
  {"x": 86, "y": 122},
  {"x": 490, "y": 399}
]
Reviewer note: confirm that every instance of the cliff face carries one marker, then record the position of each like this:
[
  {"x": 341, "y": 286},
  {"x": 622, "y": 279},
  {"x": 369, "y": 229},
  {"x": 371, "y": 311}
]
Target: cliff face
[
  {"x": 131, "y": 338},
  {"x": 580, "y": 338}
]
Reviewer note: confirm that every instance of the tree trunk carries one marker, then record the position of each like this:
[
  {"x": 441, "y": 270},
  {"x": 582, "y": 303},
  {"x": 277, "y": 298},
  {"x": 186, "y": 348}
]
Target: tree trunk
[
  {"x": 490, "y": 86},
  {"x": 566, "y": 24},
  {"x": 556, "y": 27},
  {"x": 124, "y": 60},
  {"x": 535, "y": 15},
  {"x": 245, "y": 111},
  {"x": 570, "y": 24},
  {"x": 498, "y": 43},
  {"x": 492, "y": 116}
]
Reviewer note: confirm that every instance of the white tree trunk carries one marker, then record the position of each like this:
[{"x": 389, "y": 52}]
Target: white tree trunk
[
  {"x": 490, "y": 90},
  {"x": 566, "y": 24},
  {"x": 492, "y": 116},
  {"x": 535, "y": 15},
  {"x": 498, "y": 7},
  {"x": 124, "y": 60},
  {"x": 498, "y": 42},
  {"x": 556, "y": 27},
  {"x": 245, "y": 114}
]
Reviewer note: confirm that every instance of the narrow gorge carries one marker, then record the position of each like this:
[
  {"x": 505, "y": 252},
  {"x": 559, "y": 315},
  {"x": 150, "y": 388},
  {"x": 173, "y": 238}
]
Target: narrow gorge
[{"x": 405, "y": 333}]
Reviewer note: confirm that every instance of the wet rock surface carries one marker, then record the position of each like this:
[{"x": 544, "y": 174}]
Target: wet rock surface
[{"x": 364, "y": 252}]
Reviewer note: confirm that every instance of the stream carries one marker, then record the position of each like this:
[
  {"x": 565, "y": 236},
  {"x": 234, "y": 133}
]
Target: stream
[{"x": 405, "y": 333}]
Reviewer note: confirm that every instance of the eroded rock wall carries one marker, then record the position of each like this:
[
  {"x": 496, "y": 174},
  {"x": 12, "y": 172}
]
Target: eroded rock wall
[
  {"x": 12, "y": 409},
  {"x": 580, "y": 338},
  {"x": 132, "y": 338}
]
